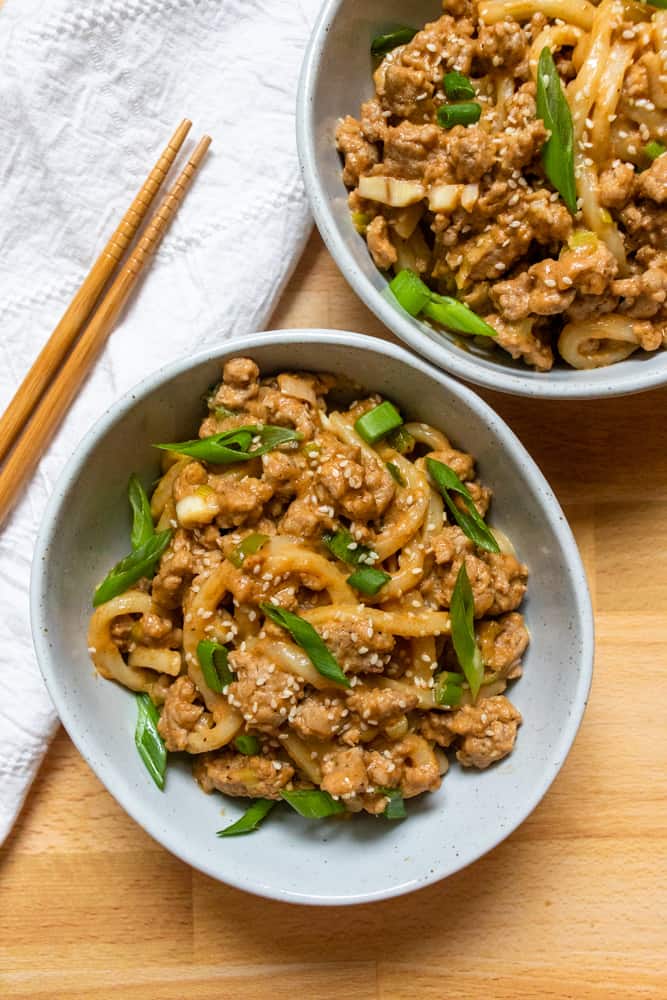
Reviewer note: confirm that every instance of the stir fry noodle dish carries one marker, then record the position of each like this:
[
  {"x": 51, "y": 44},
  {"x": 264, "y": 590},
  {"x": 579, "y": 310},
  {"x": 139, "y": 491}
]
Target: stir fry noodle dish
[
  {"x": 314, "y": 609},
  {"x": 509, "y": 174}
]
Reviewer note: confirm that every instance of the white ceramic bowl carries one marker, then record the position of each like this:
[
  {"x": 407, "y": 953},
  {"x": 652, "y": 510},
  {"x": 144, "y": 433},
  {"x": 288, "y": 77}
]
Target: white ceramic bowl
[
  {"x": 85, "y": 531},
  {"x": 335, "y": 79}
]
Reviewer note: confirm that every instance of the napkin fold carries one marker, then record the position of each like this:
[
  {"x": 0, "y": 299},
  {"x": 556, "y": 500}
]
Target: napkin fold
[{"x": 89, "y": 94}]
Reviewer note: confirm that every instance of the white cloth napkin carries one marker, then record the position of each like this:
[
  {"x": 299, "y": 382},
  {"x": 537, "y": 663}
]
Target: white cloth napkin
[{"x": 89, "y": 94}]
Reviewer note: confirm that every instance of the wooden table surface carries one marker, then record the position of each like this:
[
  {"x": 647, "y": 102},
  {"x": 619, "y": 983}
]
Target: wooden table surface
[{"x": 571, "y": 905}]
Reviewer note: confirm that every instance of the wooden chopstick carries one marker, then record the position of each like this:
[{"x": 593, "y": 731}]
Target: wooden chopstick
[
  {"x": 77, "y": 313},
  {"x": 55, "y": 401}
]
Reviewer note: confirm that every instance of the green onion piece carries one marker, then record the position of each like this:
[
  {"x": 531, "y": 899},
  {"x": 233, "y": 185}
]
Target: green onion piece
[
  {"x": 139, "y": 563},
  {"x": 558, "y": 150},
  {"x": 212, "y": 658},
  {"x": 247, "y": 744},
  {"x": 222, "y": 412},
  {"x": 457, "y": 86},
  {"x": 250, "y": 820},
  {"x": 466, "y": 113},
  {"x": 148, "y": 741},
  {"x": 251, "y": 544},
  {"x": 368, "y": 580},
  {"x": 461, "y": 611},
  {"x": 142, "y": 519},
  {"x": 456, "y": 316},
  {"x": 401, "y": 441},
  {"x": 410, "y": 291},
  {"x": 312, "y": 803},
  {"x": 448, "y": 688},
  {"x": 471, "y": 523},
  {"x": 654, "y": 149},
  {"x": 310, "y": 641},
  {"x": 344, "y": 546},
  {"x": 360, "y": 221},
  {"x": 382, "y": 44},
  {"x": 234, "y": 446},
  {"x": 395, "y": 808},
  {"x": 377, "y": 422},
  {"x": 395, "y": 473}
]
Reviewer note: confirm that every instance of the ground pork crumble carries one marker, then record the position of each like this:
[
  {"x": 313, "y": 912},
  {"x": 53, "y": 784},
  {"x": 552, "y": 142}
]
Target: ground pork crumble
[
  {"x": 470, "y": 208},
  {"x": 258, "y": 532}
]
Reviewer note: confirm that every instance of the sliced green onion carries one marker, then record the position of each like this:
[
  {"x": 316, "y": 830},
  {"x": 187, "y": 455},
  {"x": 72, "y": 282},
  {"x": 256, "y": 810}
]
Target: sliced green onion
[
  {"x": 310, "y": 641},
  {"x": 250, "y": 820},
  {"x": 142, "y": 519},
  {"x": 395, "y": 808},
  {"x": 360, "y": 221},
  {"x": 456, "y": 316},
  {"x": 457, "y": 86},
  {"x": 466, "y": 113},
  {"x": 558, "y": 150},
  {"x": 212, "y": 658},
  {"x": 312, "y": 803},
  {"x": 247, "y": 744},
  {"x": 234, "y": 446},
  {"x": 148, "y": 741},
  {"x": 410, "y": 291},
  {"x": 222, "y": 412},
  {"x": 251, "y": 544},
  {"x": 401, "y": 441},
  {"x": 654, "y": 149},
  {"x": 382, "y": 44},
  {"x": 376, "y": 423},
  {"x": 345, "y": 547},
  {"x": 448, "y": 688},
  {"x": 461, "y": 612},
  {"x": 395, "y": 473},
  {"x": 469, "y": 520},
  {"x": 139, "y": 563},
  {"x": 368, "y": 580}
]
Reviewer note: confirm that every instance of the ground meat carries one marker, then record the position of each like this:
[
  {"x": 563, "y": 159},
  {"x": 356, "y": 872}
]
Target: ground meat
[
  {"x": 501, "y": 44},
  {"x": 176, "y": 570},
  {"x": 179, "y": 714},
  {"x": 285, "y": 473},
  {"x": 498, "y": 581},
  {"x": 379, "y": 705},
  {"x": 263, "y": 694},
  {"x": 420, "y": 771},
  {"x": 382, "y": 249},
  {"x": 652, "y": 183},
  {"x": 403, "y": 89},
  {"x": 359, "y": 487},
  {"x": 524, "y": 133},
  {"x": 488, "y": 730},
  {"x": 645, "y": 293},
  {"x": 461, "y": 462},
  {"x": 344, "y": 773},
  {"x": 550, "y": 286},
  {"x": 320, "y": 716},
  {"x": 644, "y": 224},
  {"x": 360, "y": 155},
  {"x": 271, "y": 406},
  {"x": 519, "y": 340},
  {"x": 307, "y": 518},
  {"x": 189, "y": 478},
  {"x": 408, "y": 148},
  {"x": 373, "y": 121},
  {"x": 615, "y": 184},
  {"x": 237, "y": 775},
  {"x": 356, "y": 651},
  {"x": 433, "y": 726},
  {"x": 240, "y": 501},
  {"x": 471, "y": 153},
  {"x": 502, "y": 641},
  {"x": 240, "y": 382}
]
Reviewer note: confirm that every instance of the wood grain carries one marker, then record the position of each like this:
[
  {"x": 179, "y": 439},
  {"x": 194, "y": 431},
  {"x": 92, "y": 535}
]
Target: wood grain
[{"x": 570, "y": 906}]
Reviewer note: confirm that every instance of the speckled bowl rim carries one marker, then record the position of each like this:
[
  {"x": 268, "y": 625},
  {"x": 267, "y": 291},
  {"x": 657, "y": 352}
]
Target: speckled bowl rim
[
  {"x": 551, "y": 510},
  {"x": 624, "y": 378}
]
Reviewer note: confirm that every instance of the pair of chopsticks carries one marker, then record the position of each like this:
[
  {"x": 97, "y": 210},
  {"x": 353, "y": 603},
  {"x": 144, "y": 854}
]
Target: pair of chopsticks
[{"x": 41, "y": 401}]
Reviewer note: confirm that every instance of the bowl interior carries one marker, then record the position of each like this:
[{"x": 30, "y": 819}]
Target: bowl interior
[
  {"x": 86, "y": 531},
  {"x": 336, "y": 78}
]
